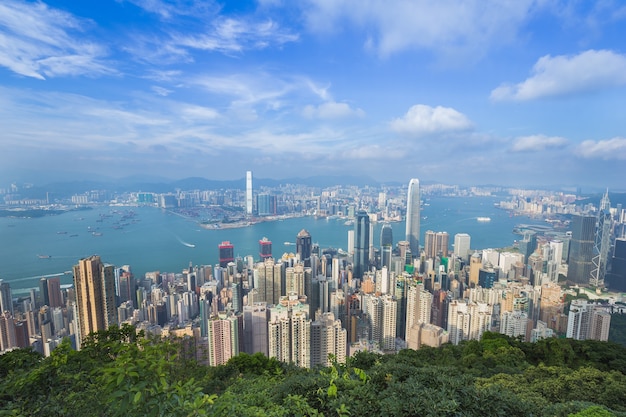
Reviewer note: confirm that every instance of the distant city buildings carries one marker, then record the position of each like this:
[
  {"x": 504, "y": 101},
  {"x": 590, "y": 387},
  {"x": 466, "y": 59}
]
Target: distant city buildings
[{"x": 315, "y": 303}]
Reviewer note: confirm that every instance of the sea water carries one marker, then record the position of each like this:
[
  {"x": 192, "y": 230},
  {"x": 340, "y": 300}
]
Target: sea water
[{"x": 152, "y": 239}]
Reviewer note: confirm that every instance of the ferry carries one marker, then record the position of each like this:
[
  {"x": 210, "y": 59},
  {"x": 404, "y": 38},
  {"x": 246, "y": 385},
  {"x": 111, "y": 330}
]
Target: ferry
[
  {"x": 483, "y": 219},
  {"x": 44, "y": 256}
]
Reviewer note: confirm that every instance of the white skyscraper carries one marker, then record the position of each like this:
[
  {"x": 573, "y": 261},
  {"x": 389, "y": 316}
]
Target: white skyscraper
[
  {"x": 413, "y": 216},
  {"x": 462, "y": 245},
  {"x": 249, "y": 193}
]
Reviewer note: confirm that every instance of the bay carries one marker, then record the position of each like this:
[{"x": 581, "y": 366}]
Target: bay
[{"x": 157, "y": 240}]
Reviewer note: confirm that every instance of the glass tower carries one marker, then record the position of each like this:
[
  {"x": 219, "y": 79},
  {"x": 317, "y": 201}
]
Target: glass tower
[{"x": 413, "y": 216}]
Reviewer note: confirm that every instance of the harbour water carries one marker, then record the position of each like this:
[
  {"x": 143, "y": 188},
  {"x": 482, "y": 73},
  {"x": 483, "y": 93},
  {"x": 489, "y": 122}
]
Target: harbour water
[{"x": 151, "y": 239}]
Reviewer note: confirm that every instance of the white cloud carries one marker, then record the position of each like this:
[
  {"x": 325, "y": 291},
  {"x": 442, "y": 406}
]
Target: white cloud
[
  {"x": 235, "y": 35},
  {"x": 422, "y": 120},
  {"x": 614, "y": 148},
  {"x": 36, "y": 40},
  {"x": 199, "y": 113},
  {"x": 535, "y": 143},
  {"x": 332, "y": 110},
  {"x": 468, "y": 27},
  {"x": 164, "y": 92},
  {"x": 561, "y": 75}
]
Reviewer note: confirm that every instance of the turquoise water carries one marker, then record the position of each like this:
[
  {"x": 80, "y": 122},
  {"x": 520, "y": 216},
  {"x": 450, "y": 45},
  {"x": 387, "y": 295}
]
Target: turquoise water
[{"x": 161, "y": 241}]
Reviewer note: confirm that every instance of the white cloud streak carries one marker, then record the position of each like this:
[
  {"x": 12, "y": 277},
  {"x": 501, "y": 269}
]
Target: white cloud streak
[
  {"x": 421, "y": 120},
  {"x": 564, "y": 75},
  {"x": 469, "y": 26},
  {"x": 332, "y": 110},
  {"x": 38, "y": 41},
  {"x": 609, "y": 149},
  {"x": 537, "y": 143}
]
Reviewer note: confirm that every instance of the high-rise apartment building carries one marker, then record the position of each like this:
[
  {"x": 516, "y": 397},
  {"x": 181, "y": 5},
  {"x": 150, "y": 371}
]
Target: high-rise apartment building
[
  {"x": 581, "y": 249},
  {"x": 436, "y": 244},
  {"x": 361, "y": 244},
  {"x": 224, "y": 338},
  {"x": 327, "y": 338},
  {"x": 94, "y": 284},
  {"x": 6, "y": 297},
  {"x": 413, "y": 216}
]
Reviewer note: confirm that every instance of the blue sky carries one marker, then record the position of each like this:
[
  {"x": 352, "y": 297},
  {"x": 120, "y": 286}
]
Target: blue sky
[{"x": 512, "y": 92}]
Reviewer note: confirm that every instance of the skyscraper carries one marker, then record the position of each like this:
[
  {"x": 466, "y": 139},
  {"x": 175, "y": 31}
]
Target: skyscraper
[
  {"x": 227, "y": 253},
  {"x": 249, "y": 193},
  {"x": 303, "y": 247},
  {"x": 602, "y": 242},
  {"x": 462, "y": 245},
  {"x": 362, "y": 243},
  {"x": 386, "y": 245},
  {"x": 94, "y": 283},
  {"x": 6, "y": 297},
  {"x": 265, "y": 248},
  {"x": 617, "y": 278},
  {"x": 413, "y": 216},
  {"x": 581, "y": 249}
]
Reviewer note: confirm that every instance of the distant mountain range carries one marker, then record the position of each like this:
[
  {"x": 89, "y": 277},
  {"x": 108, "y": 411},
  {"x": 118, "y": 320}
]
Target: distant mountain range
[{"x": 64, "y": 189}]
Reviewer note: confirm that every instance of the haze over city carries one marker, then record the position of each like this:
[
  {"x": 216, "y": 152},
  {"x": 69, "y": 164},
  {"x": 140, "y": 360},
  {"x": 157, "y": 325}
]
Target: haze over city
[{"x": 517, "y": 92}]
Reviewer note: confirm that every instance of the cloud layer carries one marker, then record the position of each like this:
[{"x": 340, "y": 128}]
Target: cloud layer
[{"x": 563, "y": 75}]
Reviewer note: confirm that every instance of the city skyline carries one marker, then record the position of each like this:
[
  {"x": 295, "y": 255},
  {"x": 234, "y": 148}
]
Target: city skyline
[{"x": 459, "y": 94}]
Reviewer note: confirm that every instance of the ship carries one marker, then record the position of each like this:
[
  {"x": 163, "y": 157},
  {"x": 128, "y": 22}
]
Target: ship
[
  {"x": 44, "y": 256},
  {"x": 483, "y": 219}
]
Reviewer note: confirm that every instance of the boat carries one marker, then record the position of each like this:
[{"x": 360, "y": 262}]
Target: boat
[
  {"x": 483, "y": 219},
  {"x": 44, "y": 256},
  {"x": 287, "y": 243},
  {"x": 96, "y": 234},
  {"x": 61, "y": 233},
  {"x": 73, "y": 235}
]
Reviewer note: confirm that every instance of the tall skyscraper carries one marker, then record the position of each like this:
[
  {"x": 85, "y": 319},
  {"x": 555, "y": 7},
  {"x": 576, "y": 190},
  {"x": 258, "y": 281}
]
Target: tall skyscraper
[
  {"x": 227, "y": 253},
  {"x": 265, "y": 248},
  {"x": 303, "y": 247},
  {"x": 581, "y": 249},
  {"x": 94, "y": 283},
  {"x": 413, "y": 216},
  {"x": 617, "y": 278},
  {"x": 249, "y": 193},
  {"x": 386, "y": 245},
  {"x": 462, "y": 245},
  {"x": 362, "y": 243},
  {"x": 602, "y": 243}
]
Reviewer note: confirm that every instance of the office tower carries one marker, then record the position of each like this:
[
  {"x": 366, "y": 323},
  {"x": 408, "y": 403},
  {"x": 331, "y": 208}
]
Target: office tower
[
  {"x": 487, "y": 275},
  {"x": 475, "y": 265},
  {"x": 303, "y": 247},
  {"x": 400, "y": 293},
  {"x": 44, "y": 299},
  {"x": 351, "y": 242},
  {"x": 581, "y": 249},
  {"x": 224, "y": 337},
  {"x": 617, "y": 277},
  {"x": 462, "y": 245},
  {"x": 361, "y": 244},
  {"x": 6, "y": 297},
  {"x": 602, "y": 243},
  {"x": 124, "y": 284},
  {"x": 404, "y": 250},
  {"x": 265, "y": 248},
  {"x": 94, "y": 283},
  {"x": 413, "y": 216},
  {"x": 528, "y": 244},
  {"x": 55, "y": 298},
  {"x": 386, "y": 245},
  {"x": 249, "y": 193},
  {"x": 327, "y": 338},
  {"x": 255, "y": 318},
  {"x": 227, "y": 253},
  {"x": 418, "y": 310},
  {"x": 266, "y": 205}
]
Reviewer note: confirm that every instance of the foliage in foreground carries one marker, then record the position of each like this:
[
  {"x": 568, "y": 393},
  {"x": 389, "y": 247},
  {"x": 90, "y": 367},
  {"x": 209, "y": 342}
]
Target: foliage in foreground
[{"x": 119, "y": 373}]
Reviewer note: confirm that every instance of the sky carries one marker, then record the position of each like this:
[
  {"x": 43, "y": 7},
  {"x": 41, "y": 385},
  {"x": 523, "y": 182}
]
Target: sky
[{"x": 508, "y": 92}]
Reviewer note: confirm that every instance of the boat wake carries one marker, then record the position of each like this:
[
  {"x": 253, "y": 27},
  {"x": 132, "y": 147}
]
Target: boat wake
[{"x": 182, "y": 242}]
